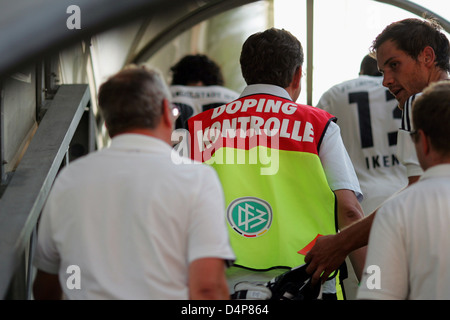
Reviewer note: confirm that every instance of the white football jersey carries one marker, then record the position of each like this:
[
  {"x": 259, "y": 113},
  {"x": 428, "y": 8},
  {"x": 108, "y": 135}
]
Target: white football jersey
[
  {"x": 369, "y": 119},
  {"x": 192, "y": 100}
]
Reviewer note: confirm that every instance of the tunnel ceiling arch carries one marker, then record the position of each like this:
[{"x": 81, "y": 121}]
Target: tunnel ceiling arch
[{"x": 33, "y": 32}]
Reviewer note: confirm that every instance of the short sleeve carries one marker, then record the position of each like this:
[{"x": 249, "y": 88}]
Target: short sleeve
[
  {"x": 336, "y": 162},
  {"x": 208, "y": 234},
  {"x": 385, "y": 273}
]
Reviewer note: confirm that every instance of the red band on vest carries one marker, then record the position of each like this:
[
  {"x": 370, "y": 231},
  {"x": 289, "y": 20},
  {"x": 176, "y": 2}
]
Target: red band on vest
[{"x": 257, "y": 120}]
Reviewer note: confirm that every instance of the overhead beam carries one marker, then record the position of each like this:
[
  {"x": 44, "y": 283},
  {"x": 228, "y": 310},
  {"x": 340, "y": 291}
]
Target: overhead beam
[{"x": 418, "y": 10}]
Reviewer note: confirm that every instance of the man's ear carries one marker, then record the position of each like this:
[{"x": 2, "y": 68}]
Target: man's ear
[
  {"x": 428, "y": 56},
  {"x": 294, "y": 87},
  {"x": 297, "y": 78},
  {"x": 425, "y": 142},
  {"x": 167, "y": 113},
  {"x": 107, "y": 129}
]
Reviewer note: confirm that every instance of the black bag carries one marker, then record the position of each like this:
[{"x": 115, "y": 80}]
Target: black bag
[{"x": 294, "y": 284}]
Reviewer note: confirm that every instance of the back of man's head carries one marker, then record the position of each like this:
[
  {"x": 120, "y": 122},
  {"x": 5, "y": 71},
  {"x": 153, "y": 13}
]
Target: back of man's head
[
  {"x": 413, "y": 35},
  {"x": 198, "y": 68},
  {"x": 132, "y": 99},
  {"x": 431, "y": 113},
  {"x": 271, "y": 57},
  {"x": 369, "y": 67}
]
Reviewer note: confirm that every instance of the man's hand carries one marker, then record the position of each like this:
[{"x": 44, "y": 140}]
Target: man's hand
[
  {"x": 330, "y": 251},
  {"x": 207, "y": 279},
  {"x": 325, "y": 257},
  {"x": 46, "y": 286}
]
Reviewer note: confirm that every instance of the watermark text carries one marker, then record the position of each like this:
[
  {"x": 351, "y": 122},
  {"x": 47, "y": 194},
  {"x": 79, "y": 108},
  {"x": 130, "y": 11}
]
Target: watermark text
[{"x": 74, "y": 20}]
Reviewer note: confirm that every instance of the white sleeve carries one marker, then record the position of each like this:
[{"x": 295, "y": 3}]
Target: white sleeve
[
  {"x": 385, "y": 273},
  {"x": 336, "y": 162},
  {"x": 208, "y": 234},
  {"x": 406, "y": 153}
]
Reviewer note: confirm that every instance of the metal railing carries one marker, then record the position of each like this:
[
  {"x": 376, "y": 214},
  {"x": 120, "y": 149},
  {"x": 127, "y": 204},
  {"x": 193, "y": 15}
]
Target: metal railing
[{"x": 26, "y": 193}]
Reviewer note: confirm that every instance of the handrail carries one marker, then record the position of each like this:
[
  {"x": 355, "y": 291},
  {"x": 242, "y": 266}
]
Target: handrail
[{"x": 25, "y": 195}]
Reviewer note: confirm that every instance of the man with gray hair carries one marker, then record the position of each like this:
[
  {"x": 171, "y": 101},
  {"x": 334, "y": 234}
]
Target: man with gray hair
[{"x": 126, "y": 222}]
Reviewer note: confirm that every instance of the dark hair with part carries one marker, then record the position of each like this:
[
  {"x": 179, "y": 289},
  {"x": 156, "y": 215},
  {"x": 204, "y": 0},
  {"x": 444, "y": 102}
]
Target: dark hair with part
[
  {"x": 196, "y": 68},
  {"x": 132, "y": 99},
  {"x": 369, "y": 67},
  {"x": 431, "y": 113},
  {"x": 271, "y": 57},
  {"x": 413, "y": 35}
]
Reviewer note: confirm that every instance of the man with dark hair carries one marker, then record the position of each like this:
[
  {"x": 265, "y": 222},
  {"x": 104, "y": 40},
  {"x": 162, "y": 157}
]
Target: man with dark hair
[
  {"x": 130, "y": 222},
  {"x": 283, "y": 54},
  {"x": 409, "y": 239},
  {"x": 282, "y": 164},
  {"x": 369, "y": 119},
  {"x": 411, "y": 54},
  {"x": 369, "y": 67},
  {"x": 197, "y": 86},
  {"x": 196, "y": 70}
]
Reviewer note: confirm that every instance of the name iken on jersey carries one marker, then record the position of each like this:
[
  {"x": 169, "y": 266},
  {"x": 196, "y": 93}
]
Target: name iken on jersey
[{"x": 381, "y": 161}]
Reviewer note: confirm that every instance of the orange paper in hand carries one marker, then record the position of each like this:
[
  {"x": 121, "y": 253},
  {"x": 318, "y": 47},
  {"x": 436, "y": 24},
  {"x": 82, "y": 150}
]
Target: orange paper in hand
[{"x": 308, "y": 247}]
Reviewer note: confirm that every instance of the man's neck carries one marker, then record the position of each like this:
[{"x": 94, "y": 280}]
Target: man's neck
[
  {"x": 438, "y": 75},
  {"x": 150, "y": 133}
]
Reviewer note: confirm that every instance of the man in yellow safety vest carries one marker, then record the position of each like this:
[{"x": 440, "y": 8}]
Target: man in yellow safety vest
[{"x": 285, "y": 171}]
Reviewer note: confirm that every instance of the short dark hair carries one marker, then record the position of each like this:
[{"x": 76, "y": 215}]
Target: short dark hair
[
  {"x": 369, "y": 67},
  {"x": 132, "y": 99},
  {"x": 271, "y": 57},
  {"x": 195, "y": 68},
  {"x": 431, "y": 113},
  {"x": 413, "y": 35}
]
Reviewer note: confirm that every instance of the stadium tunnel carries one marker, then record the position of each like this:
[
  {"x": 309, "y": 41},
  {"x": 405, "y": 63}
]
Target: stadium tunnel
[{"x": 50, "y": 72}]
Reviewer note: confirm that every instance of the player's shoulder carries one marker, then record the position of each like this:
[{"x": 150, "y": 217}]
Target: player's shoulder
[
  {"x": 357, "y": 84},
  {"x": 407, "y": 112},
  {"x": 410, "y": 100}
]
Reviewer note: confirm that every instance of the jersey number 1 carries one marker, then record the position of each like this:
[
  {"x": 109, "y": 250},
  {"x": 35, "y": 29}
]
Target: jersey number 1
[{"x": 365, "y": 126}]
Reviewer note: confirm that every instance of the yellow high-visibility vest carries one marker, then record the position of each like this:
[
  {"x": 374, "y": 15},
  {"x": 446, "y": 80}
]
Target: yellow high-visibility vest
[{"x": 265, "y": 151}]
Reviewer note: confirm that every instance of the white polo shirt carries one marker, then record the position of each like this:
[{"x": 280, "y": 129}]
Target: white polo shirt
[
  {"x": 408, "y": 252},
  {"x": 132, "y": 221}
]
